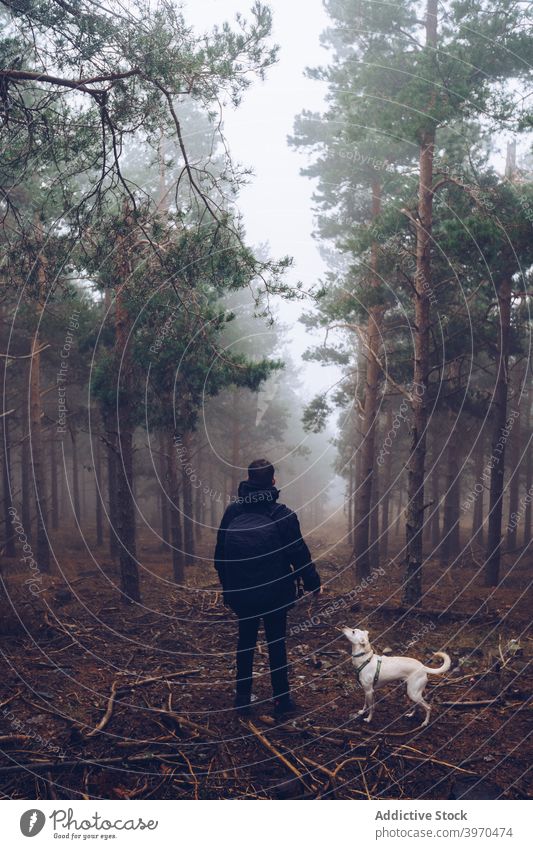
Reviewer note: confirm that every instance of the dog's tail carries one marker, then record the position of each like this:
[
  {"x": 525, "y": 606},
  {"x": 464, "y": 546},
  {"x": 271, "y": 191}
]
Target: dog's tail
[{"x": 441, "y": 669}]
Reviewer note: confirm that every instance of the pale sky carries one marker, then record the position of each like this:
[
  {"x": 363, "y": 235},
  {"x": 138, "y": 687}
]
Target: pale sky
[{"x": 277, "y": 205}]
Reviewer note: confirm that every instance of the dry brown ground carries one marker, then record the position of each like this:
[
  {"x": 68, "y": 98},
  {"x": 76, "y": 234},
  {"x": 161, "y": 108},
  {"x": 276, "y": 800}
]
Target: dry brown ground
[{"x": 83, "y": 659}]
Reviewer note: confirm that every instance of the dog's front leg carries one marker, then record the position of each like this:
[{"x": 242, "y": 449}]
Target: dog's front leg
[
  {"x": 369, "y": 703},
  {"x": 363, "y": 710},
  {"x": 365, "y": 707}
]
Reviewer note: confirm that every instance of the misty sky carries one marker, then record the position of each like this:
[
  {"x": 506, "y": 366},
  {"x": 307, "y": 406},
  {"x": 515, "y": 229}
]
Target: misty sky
[{"x": 277, "y": 205}]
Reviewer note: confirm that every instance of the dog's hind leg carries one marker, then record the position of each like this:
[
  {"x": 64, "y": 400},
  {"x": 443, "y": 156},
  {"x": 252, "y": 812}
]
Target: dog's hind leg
[{"x": 415, "y": 690}]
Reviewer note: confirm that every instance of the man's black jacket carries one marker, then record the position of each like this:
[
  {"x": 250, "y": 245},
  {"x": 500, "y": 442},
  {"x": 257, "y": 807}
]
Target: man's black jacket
[{"x": 295, "y": 556}]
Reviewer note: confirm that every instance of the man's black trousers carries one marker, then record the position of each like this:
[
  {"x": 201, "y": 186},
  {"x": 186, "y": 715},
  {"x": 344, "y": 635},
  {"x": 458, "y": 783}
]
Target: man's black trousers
[{"x": 275, "y": 625}]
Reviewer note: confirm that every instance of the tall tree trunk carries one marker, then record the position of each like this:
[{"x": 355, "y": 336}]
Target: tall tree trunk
[
  {"x": 432, "y": 524},
  {"x": 452, "y": 499},
  {"x": 529, "y": 468},
  {"x": 9, "y": 536},
  {"x": 212, "y": 498},
  {"x": 374, "y": 549},
  {"x": 422, "y": 284},
  {"x": 110, "y": 427},
  {"x": 499, "y": 438},
  {"x": 129, "y": 571},
  {"x": 188, "y": 518},
  {"x": 75, "y": 476},
  {"x": 178, "y": 560},
  {"x": 386, "y": 488},
  {"x": 98, "y": 488},
  {"x": 42, "y": 548},
  {"x": 349, "y": 498},
  {"x": 163, "y": 499},
  {"x": 477, "y": 531},
  {"x": 368, "y": 438},
  {"x": 235, "y": 442},
  {"x": 54, "y": 499},
  {"x": 435, "y": 509},
  {"x": 25, "y": 494},
  {"x": 514, "y": 483}
]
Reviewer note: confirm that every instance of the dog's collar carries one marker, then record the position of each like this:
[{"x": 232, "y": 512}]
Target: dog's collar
[{"x": 359, "y": 669}]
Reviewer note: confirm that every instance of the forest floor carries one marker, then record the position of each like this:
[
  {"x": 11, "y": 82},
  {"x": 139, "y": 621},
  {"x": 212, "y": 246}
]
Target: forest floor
[{"x": 103, "y": 700}]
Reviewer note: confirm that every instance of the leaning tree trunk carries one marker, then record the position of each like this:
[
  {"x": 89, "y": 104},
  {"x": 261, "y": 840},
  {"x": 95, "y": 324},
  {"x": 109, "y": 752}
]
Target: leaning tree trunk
[
  {"x": 499, "y": 438},
  {"x": 125, "y": 506},
  {"x": 422, "y": 284},
  {"x": 363, "y": 502}
]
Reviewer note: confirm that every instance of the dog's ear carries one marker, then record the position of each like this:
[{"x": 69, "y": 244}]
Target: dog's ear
[{"x": 366, "y": 634}]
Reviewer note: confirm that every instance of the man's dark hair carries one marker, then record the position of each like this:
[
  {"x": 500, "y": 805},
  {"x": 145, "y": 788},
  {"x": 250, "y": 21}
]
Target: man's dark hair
[{"x": 261, "y": 472}]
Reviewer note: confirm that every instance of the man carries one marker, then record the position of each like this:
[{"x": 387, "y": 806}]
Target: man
[{"x": 260, "y": 556}]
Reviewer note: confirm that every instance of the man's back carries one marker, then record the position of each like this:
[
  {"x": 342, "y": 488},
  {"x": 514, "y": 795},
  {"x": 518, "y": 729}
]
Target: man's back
[{"x": 258, "y": 542}]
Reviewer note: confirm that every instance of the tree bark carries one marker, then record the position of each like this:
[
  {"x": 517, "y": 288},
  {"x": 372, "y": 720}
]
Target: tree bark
[
  {"x": 54, "y": 499},
  {"x": 188, "y": 518},
  {"x": 75, "y": 476},
  {"x": 385, "y": 503},
  {"x": 499, "y": 438},
  {"x": 9, "y": 536},
  {"x": 514, "y": 483},
  {"x": 110, "y": 427},
  {"x": 25, "y": 494},
  {"x": 450, "y": 544},
  {"x": 42, "y": 548},
  {"x": 235, "y": 443},
  {"x": 422, "y": 285},
  {"x": 529, "y": 469},
  {"x": 178, "y": 560},
  {"x": 363, "y": 502},
  {"x": 163, "y": 499},
  {"x": 374, "y": 547},
  {"x": 477, "y": 532},
  {"x": 129, "y": 571},
  {"x": 98, "y": 488}
]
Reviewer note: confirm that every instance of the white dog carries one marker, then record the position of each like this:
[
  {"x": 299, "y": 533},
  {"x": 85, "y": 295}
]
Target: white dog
[{"x": 373, "y": 671}]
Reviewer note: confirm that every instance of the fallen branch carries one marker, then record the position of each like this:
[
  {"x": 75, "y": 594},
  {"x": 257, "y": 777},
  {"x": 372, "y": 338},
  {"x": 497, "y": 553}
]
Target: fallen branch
[
  {"x": 117, "y": 688},
  {"x": 475, "y": 704},
  {"x": 426, "y": 757},
  {"x": 81, "y": 763},
  {"x": 272, "y": 749}
]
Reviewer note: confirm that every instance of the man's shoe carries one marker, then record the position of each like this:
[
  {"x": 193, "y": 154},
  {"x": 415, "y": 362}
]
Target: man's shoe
[
  {"x": 285, "y": 707},
  {"x": 242, "y": 705}
]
